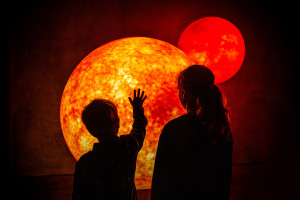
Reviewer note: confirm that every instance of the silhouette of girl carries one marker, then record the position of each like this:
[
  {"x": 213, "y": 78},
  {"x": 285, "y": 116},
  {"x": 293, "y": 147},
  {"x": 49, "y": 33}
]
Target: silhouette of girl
[{"x": 194, "y": 154}]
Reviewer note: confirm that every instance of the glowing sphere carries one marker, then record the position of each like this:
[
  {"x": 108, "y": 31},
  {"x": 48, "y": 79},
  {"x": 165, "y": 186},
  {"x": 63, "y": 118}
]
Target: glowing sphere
[
  {"x": 215, "y": 43},
  {"x": 112, "y": 72}
]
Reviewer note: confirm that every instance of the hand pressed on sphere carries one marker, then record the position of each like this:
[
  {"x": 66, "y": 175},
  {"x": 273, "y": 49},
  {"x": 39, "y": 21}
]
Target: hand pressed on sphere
[{"x": 138, "y": 99}]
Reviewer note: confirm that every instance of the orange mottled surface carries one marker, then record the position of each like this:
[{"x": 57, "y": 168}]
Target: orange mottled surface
[{"x": 111, "y": 72}]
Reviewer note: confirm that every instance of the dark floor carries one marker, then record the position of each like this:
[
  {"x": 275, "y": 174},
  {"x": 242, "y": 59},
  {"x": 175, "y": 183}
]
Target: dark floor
[{"x": 253, "y": 182}]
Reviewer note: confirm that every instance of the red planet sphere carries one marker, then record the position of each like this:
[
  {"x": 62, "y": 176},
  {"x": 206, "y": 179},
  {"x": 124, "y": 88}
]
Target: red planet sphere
[{"x": 215, "y": 43}]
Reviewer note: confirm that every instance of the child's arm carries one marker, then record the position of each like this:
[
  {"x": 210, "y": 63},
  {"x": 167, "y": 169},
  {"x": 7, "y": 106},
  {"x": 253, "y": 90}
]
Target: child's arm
[{"x": 140, "y": 121}]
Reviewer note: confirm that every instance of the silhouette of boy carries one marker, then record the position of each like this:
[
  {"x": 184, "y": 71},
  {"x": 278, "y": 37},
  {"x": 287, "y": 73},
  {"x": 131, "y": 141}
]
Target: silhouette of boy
[{"x": 107, "y": 172}]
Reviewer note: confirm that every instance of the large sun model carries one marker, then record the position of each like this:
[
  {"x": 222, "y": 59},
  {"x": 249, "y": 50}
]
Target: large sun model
[
  {"x": 111, "y": 72},
  {"x": 115, "y": 69}
]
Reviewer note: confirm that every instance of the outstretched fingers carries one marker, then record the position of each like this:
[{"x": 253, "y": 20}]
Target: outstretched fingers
[
  {"x": 138, "y": 98},
  {"x": 141, "y": 96},
  {"x": 130, "y": 100},
  {"x": 138, "y": 94},
  {"x": 143, "y": 99}
]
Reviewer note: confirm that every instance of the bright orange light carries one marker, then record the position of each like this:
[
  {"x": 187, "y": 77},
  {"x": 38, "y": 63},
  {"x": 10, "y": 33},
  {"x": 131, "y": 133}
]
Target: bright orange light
[
  {"x": 215, "y": 43},
  {"x": 111, "y": 72}
]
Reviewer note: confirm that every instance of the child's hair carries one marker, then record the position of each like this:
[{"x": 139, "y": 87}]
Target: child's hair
[
  {"x": 200, "y": 96},
  {"x": 100, "y": 117}
]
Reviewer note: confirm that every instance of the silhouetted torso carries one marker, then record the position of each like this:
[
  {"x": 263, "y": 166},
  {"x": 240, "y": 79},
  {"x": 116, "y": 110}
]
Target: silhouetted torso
[
  {"x": 107, "y": 172},
  {"x": 187, "y": 166}
]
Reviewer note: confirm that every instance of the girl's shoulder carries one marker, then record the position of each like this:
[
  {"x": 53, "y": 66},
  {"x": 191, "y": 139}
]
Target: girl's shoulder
[
  {"x": 181, "y": 122},
  {"x": 180, "y": 119}
]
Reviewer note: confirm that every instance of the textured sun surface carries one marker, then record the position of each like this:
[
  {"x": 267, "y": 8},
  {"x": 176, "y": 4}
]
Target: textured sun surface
[
  {"x": 215, "y": 43},
  {"x": 112, "y": 72}
]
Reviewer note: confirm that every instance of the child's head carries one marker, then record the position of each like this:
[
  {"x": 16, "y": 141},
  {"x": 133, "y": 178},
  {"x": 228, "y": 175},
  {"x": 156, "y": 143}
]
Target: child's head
[{"x": 100, "y": 118}]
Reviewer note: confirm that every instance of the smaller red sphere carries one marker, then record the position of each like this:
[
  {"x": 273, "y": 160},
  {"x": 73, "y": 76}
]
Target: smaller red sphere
[{"x": 215, "y": 43}]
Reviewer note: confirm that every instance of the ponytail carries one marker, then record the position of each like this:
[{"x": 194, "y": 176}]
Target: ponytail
[
  {"x": 202, "y": 98},
  {"x": 213, "y": 114}
]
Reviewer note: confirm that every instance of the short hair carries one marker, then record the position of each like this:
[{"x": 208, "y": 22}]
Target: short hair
[{"x": 99, "y": 117}]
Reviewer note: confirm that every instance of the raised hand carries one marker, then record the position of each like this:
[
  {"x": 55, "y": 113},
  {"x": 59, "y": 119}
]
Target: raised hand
[{"x": 138, "y": 98}]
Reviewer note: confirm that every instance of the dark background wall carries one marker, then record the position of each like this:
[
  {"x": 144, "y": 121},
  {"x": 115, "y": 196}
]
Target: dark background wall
[{"x": 48, "y": 39}]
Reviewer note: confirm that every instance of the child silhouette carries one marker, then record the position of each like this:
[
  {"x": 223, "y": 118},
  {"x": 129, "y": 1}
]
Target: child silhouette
[{"x": 107, "y": 172}]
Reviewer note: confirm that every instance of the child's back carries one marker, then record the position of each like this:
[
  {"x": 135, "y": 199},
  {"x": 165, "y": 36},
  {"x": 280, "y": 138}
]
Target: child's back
[{"x": 107, "y": 172}]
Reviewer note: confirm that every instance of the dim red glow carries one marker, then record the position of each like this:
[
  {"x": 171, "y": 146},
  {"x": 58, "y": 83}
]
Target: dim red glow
[
  {"x": 111, "y": 72},
  {"x": 215, "y": 43}
]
